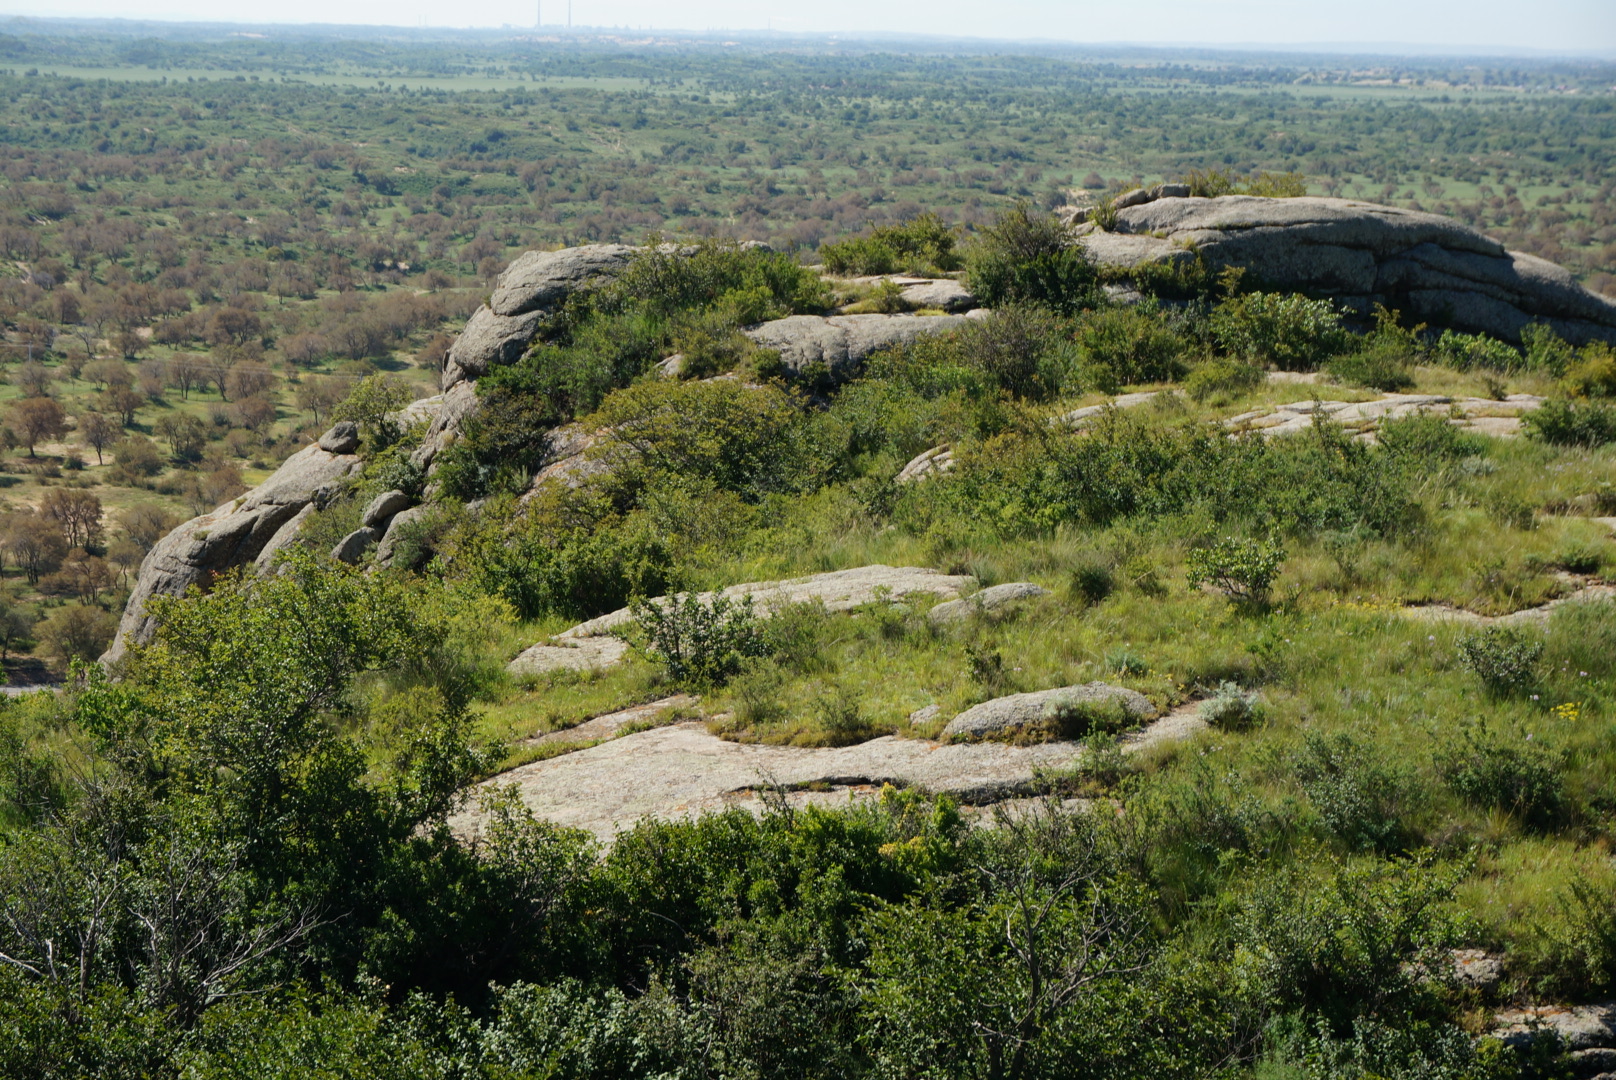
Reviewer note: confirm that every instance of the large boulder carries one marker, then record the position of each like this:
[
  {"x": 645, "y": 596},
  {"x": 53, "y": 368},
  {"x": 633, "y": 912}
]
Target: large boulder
[
  {"x": 1022, "y": 713},
  {"x": 843, "y": 342},
  {"x": 541, "y": 281},
  {"x": 233, "y": 535},
  {"x": 989, "y": 599},
  {"x": 1430, "y": 267},
  {"x": 488, "y": 340}
]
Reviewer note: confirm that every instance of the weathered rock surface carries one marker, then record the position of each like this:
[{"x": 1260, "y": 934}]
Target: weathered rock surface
[
  {"x": 351, "y": 548},
  {"x": 572, "y": 654},
  {"x": 1017, "y": 712},
  {"x": 1483, "y": 415},
  {"x": 944, "y": 294},
  {"x": 590, "y": 645},
  {"x": 542, "y": 281},
  {"x": 843, "y": 342},
  {"x": 608, "y": 726},
  {"x": 1078, "y": 419},
  {"x": 1429, "y": 267},
  {"x": 458, "y": 403},
  {"x": 939, "y": 459},
  {"x": 991, "y": 599},
  {"x": 233, "y": 535},
  {"x": 488, "y": 340},
  {"x": 681, "y": 770},
  {"x": 838, "y": 590},
  {"x": 380, "y": 510},
  {"x": 387, "y": 547},
  {"x": 343, "y": 438},
  {"x": 1580, "y": 1027},
  {"x": 285, "y": 538}
]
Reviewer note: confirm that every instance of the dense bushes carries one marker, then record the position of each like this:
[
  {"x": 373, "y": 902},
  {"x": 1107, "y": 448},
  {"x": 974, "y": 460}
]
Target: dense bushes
[
  {"x": 1290, "y": 332},
  {"x": 1028, "y": 257},
  {"x": 922, "y": 245}
]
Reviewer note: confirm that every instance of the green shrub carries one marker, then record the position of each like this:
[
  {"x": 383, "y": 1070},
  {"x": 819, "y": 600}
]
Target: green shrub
[
  {"x": 922, "y": 245},
  {"x": 1270, "y": 185},
  {"x": 1134, "y": 343},
  {"x": 577, "y": 572},
  {"x": 1208, "y": 183},
  {"x": 1519, "y": 776},
  {"x": 1594, "y": 373},
  {"x": 1222, "y": 379},
  {"x": 1503, "y": 658},
  {"x": 1545, "y": 350},
  {"x": 701, "y": 643},
  {"x": 1428, "y": 440},
  {"x": 1568, "y": 423},
  {"x": 1468, "y": 352},
  {"x": 1092, "y": 580},
  {"x": 1030, "y": 257},
  {"x": 1242, "y": 569},
  {"x": 1378, "y": 366},
  {"x": 1232, "y": 708},
  {"x": 1360, "y": 799},
  {"x": 1290, "y": 332},
  {"x": 1022, "y": 349}
]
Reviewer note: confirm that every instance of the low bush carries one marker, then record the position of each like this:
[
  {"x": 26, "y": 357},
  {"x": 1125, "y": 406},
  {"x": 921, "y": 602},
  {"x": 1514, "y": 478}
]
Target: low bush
[
  {"x": 700, "y": 643},
  {"x": 1594, "y": 373},
  {"x": 1133, "y": 344},
  {"x": 1222, "y": 380},
  {"x": 1518, "y": 775},
  {"x": 1030, "y": 257},
  {"x": 1242, "y": 569},
  {"x": 1503, "y": 658},
  {"x": 922, "y": 245},
  {"x": 1290, "y": 332},
  {"x": 1567, "y": 423},
  {"x": 1360, "y": 799},
  {"x": 1469, "y": 352},
  {"x": 1377, "y": 366},
  {"x": 1232, "y": 708}
]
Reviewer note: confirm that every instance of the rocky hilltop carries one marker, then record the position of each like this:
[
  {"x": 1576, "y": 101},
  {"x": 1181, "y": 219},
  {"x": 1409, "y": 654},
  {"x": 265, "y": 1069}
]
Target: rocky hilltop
[
  {"x": 1429, "y": 267},
  {"x": 1359, "y": 254}
]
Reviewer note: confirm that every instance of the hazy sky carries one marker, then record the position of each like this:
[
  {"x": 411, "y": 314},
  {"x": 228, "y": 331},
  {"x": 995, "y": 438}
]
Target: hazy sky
[{"x": 1576, "y": 26}]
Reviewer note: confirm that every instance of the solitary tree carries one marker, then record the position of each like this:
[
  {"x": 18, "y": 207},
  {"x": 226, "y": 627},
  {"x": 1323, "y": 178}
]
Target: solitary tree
[
  {"x": 37, "y": 419},
  {"x": 76, "y": 513},
  {"x": 98, "y": 432}
]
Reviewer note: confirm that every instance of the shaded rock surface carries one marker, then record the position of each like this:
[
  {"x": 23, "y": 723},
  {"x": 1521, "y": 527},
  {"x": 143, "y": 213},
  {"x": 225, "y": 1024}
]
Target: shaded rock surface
[
  {"x": 343, "y": 438},
  {"x": 1580, "y": 1027},
  {"x": 541, "y": 281},
  {"x": 1016, "y": 712},
  {"x": 387, "y": 547},
  {"x": 233, "y": 535},
  {"x": 488, "y": 340},
  {"x": 351, "y": 548},
  {"x": 1430, "y": 267},
  {"x": 681, "y": 771},
  {"x": 843, "y": 342},
  {"x": 991, "y": 599},
  {"x": 380, "y": 510}
]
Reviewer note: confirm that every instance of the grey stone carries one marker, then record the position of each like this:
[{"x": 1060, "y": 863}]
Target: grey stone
[
  {"x": 1580, "y": 1027},
  {"x": 947, "y": 295},
  {"x": 1172, "y": 191},
  {"x": 577, "y": 654},
  {"x": 1594, "y": 1062},
  {"x": 381, "y": 509},
  {"x": 933, "y": 462},
  {"x": 1021, "y": 712},
  {"x": 1136, "y": 197},
  {"x": 285, "y": 538},
  {"x": 351, "y": 548},
  {"x": 343, "y": 438},
  {"x": 541, "y": 281},
  {"x": 387, "y": 548},
  {"x": 488, "y": 340},
  {"x": 925, "y": 714},
  {"x": 843, "y": 342},
  {"x": 1430, "y": 267},
  {"x": 233, "y": 535},
  {"x": 991, "y": 599},
  {"x": 681, "y": 770},
  {"x": 458, "y": 403}
]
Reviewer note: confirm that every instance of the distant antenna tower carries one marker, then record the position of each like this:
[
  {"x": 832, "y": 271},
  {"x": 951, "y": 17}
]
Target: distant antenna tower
[
  {"x": 569, "y": 14},
  {"x": 538, "y": 14}
]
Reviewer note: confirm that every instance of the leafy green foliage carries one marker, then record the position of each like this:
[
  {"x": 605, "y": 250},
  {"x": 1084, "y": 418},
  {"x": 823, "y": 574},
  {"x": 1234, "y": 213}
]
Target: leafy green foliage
[
  {"x": 1517, "y": 775},
  {"x": 1133, "y": 345},
  {"x": 922, "y": 245},
  {"x": 1028, "y": 257},
  {"x": 701, "y": 643},
  {"x": 1290, "y": 332},
  {"x": 1573, "y": 423},
  {"x": 1503, "y": 658},
  {"x": 1241, "y": 569}
]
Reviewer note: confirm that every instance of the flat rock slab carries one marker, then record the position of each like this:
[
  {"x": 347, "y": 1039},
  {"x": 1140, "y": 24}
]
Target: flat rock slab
[
  {"x": 1531, "y": 615},
  {"x": 681, "y": 770},
  {"x": 1580, "y": 1027},
  {"x": 843, "y": 342},
  {"x": 1020, "y": 712},
  {"x": 578, "y": 654},
  {"x": 838, "y": 590},
  {"x": 945, "y": 295},
  {"x": 600, "y": 728},
  {"x": 991, "y": 599},
  {"x": 1078, "y": 419},
  {"x": 1482, "y": 415}
]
